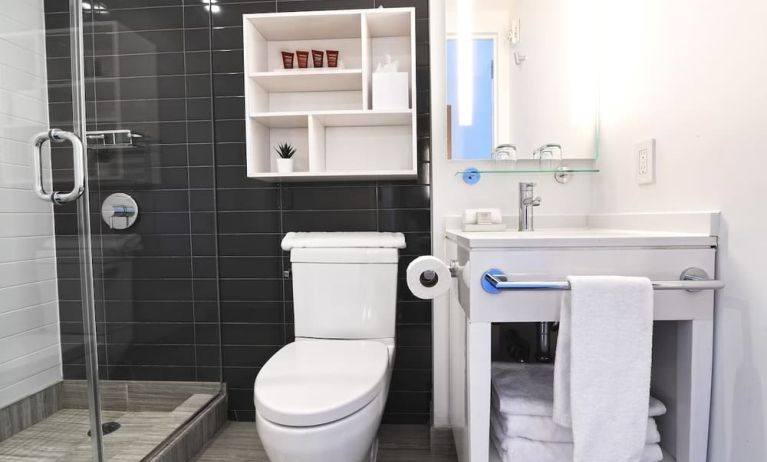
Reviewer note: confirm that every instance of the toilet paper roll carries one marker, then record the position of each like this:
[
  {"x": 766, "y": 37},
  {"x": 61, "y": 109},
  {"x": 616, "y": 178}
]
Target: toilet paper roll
[{"x": 428, "y": 277}]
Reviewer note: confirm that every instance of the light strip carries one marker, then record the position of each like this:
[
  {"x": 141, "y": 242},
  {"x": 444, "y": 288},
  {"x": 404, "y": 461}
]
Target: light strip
[{"x": 465, "y": 19}]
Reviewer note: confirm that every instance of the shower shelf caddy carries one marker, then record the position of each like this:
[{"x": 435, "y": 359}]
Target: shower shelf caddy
[{"x": 326, "y": 113}]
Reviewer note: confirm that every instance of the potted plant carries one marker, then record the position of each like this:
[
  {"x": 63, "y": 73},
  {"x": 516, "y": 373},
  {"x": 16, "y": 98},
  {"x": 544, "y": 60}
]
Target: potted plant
[{"x": 285, "y": 152}]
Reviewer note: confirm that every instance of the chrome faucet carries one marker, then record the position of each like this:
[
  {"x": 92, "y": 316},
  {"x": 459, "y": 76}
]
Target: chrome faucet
[{"x": 527, "y": 200}]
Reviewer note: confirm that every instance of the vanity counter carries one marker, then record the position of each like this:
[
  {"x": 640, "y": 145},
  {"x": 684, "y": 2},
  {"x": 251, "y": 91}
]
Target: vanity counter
[{"x": 577, "y": 237}]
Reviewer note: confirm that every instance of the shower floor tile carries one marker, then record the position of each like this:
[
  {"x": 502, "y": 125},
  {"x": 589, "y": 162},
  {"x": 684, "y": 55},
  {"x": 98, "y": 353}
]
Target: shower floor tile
[{"x": 64, "y": 435}]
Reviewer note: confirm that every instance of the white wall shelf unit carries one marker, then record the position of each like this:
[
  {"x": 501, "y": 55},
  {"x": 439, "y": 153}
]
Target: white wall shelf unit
[{"x": 327, "y": 113}]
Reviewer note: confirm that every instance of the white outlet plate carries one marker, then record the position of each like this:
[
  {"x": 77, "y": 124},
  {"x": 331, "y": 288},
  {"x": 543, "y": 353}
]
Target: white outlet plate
[
  {"x": 514, "y": 33},
  {"x": 644, "y": 158}
]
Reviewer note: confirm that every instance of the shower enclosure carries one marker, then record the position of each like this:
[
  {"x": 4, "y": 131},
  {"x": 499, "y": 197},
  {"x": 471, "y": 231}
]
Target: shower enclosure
[{"x": 109, "y": 324}]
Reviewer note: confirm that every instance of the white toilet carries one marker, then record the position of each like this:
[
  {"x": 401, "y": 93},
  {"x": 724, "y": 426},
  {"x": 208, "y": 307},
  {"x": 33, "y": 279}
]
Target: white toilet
[{"x": 321, "y": 397}]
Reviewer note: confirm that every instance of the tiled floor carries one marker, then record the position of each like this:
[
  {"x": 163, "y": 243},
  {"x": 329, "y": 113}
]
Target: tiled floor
[
  {"x": 238, "y": 442},
  {"x": 63, "y": 437}
]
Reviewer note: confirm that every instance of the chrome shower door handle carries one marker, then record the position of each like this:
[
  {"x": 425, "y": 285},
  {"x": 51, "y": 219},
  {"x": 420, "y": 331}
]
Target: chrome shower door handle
[{"x": 59, "y": 136}]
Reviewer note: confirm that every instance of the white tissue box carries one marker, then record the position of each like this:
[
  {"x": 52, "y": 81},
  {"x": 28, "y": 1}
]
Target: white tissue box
[{"x": 390, "y": 90}]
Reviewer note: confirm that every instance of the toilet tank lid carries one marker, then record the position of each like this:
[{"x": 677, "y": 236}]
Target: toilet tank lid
[{"x": 343, "y": 240}]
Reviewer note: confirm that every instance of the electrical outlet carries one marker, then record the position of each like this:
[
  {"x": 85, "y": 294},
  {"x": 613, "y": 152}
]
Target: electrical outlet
[
  {"x": 644, "y": 154},
  {"x": 514, "y": 32}
]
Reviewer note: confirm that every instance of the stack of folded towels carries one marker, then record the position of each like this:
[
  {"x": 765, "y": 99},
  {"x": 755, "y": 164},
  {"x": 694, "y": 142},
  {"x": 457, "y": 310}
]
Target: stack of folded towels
[{"x": 521, "y": 426}]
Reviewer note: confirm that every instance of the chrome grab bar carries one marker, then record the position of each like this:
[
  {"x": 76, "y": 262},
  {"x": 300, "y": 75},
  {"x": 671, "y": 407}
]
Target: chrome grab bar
[
  {"x": 692, "y": 280},
  {"x": 59, "y": 136}
]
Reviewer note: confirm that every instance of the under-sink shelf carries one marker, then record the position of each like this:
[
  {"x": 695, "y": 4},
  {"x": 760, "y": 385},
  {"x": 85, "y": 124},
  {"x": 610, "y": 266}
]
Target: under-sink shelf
[{"x": 494, "y": 457}]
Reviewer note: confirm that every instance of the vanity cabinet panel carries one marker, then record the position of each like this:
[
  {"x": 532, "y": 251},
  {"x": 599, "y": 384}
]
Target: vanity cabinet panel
[
  {"x": 682, "y": 346},
  {"x": 556, "y": 264}
]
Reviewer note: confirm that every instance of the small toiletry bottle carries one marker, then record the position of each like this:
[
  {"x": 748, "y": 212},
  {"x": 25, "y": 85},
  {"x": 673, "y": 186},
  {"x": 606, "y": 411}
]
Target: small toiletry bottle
[
  {"x": 332, "y": 58},
  {"x": 287, "y": 59},
  {"x": 318, "y": 57},
  {"x": 303, "y": 59}
]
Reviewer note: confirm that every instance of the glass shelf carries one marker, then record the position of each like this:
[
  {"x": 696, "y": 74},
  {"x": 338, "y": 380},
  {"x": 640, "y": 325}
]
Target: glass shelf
[{"x": 529, "y": 171}]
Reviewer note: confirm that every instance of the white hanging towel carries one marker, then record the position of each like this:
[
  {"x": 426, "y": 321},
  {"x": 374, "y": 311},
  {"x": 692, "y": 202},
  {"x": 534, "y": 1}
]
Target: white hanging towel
[{"x": 602, "y": 368}]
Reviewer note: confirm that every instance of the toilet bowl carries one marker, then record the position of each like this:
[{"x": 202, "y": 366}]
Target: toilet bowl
[
  {"x": 321, "y": 400},
  {"x": 321, "y": 397}
]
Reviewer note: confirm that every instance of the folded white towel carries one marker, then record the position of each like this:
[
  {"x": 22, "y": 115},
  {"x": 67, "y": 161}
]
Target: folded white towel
[
  {"x": 602, "y": 370},
  {"x": 543, "y": 428},
  {"x": 524, "y": 450},
  {"x": 528, "y": 389}
]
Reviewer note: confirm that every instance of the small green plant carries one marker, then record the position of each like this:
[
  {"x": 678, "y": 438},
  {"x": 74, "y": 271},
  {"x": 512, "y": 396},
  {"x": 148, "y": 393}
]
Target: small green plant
[{"x": 285, "y": 150}]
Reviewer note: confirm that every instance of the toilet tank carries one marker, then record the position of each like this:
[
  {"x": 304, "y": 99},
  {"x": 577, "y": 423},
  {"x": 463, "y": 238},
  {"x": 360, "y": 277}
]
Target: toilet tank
[{"x": 344, "y": 284}]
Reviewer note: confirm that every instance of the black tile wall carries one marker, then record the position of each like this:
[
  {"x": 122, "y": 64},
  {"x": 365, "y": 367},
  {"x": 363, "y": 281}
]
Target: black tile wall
[{"x": 195, "y": 290}]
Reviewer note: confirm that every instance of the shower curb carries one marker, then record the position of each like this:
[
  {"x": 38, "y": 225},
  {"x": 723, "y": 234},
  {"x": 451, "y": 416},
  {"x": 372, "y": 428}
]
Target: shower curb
[
  {"x": 189, "y": 440},
  {"x": 28, "y": 411}
]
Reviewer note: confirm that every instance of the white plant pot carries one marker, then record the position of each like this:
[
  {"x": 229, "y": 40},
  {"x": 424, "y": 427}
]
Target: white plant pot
[{"x": 284, "y": 165}]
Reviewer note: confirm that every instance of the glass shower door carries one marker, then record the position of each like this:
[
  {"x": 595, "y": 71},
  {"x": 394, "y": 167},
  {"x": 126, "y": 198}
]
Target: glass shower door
[{"x": 44, "y": 167}]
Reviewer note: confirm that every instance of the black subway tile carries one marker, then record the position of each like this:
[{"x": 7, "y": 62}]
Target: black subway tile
[
  {"x": 253, "y": 334},
  {"x": 149, "y": 311},
  {"x": 250, "y": 267},
  {"x": 404, "y": 197},
  {"x": 252, "y": 312},
  {"x": 249, "y": 244},
  {"x": 150, "y": 333},
  {"x": 405, "y": 220},
  {"x": 356, "y": 220},
  {"x": 329, "y": 198},
  {"x": 248, "y": 199},
  {"x": 151, "y": 355},
  {"x": 227, "y": 38},
  {"x": 251, "y": 289},
  {"x": 231, "y": 14},
  {"x": 138, "y": 19}
]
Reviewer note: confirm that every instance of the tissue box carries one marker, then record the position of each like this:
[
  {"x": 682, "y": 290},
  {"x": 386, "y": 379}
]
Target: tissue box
[{"x": 390, "y": 90}]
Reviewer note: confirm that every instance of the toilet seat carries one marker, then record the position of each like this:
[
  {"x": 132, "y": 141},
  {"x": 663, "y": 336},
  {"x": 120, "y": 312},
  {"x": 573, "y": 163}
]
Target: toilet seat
[{"x": 316, "y": 381}]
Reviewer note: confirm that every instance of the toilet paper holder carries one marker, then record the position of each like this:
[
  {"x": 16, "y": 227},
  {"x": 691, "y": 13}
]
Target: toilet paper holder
[{"x": 429, "y": 278}]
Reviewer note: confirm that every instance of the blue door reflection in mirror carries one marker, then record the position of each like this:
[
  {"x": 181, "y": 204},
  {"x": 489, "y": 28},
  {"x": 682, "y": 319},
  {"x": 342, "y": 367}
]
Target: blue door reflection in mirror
[{"x": 474, "y": 141}]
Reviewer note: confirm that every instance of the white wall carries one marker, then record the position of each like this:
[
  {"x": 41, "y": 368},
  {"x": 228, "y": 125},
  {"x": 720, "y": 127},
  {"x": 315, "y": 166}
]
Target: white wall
[
  {"x": 30, "y": 357},
  {"x": 693, "y": 75}
]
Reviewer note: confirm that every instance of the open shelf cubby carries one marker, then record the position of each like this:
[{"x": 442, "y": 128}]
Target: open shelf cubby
[{"x": 327, "y": 113}]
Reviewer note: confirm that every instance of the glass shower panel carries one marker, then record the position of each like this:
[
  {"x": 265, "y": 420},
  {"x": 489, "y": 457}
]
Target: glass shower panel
[{"x": 151, "y": 152}]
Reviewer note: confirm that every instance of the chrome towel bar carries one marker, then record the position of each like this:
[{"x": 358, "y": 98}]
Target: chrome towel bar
[{"x": 692, "y": 280}]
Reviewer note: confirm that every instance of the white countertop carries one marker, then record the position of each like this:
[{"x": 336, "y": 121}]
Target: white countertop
[{"x": 577, "y": 237}]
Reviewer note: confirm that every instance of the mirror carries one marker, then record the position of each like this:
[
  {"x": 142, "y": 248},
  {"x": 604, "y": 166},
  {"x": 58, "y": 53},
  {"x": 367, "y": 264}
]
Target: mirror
[{"x": 522, "y": 80}]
